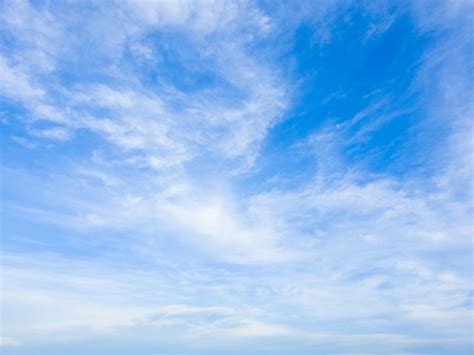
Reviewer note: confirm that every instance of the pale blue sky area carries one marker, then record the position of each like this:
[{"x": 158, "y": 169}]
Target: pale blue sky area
[{"x": 218, "y": 177}]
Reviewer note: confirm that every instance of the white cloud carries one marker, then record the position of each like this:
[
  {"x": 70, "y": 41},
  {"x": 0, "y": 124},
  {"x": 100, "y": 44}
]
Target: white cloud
[
  {"x": 169, "y": 128},
  {"x": 16, "y": 85},
  {"x": 24, "y": 142},
  {"x": 56, "y": 133},
  {"x": 8, "y": 341}
]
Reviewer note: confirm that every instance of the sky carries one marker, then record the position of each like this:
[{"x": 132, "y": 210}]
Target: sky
[{"x": 252, "y": 177}]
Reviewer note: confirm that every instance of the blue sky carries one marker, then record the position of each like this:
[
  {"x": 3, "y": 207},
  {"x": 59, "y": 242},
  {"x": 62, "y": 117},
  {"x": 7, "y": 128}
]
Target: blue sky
[{"x": 217, "y": 177}]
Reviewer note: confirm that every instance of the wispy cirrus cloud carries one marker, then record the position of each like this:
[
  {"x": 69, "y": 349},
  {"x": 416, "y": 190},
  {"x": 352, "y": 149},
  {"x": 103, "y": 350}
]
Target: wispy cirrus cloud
[{"x": 143, "y": 119}]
